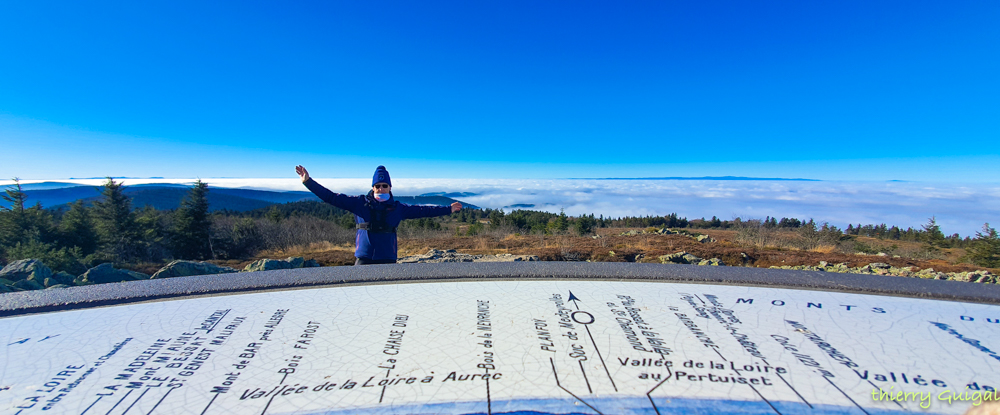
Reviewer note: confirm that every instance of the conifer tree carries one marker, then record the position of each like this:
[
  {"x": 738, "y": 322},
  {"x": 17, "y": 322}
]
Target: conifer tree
[
  {"x": 13, "y": 218},
  {"x": 192, "y": 225},
  {"x": 116, "y": 225},
  {"x": 985, "y": 249},
  {"x": 20, "y": 225},
  {"x": 932, "y": 233},
  {"x": 77, "y": 229}
]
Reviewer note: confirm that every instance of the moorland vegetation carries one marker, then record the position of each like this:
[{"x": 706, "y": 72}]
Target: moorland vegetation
[{"x": 78, "y": 237}]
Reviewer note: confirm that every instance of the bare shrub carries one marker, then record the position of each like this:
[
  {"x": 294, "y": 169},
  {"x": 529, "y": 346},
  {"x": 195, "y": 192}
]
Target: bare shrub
[
  {"x": 244, "y": 237},
  {"x": 754, "y": 232}
]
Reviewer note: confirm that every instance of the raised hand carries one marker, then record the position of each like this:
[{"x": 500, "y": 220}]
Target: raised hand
[
  {"x": 455, "y": 207},
  {"x": 303, "y": 173}
]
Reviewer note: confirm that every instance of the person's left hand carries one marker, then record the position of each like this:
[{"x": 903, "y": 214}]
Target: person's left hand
[{"x": 455, "y": 207}]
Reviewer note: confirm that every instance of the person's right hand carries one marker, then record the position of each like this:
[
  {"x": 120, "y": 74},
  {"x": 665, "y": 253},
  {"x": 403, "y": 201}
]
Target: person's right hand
[{"x": 303, "y": 173}]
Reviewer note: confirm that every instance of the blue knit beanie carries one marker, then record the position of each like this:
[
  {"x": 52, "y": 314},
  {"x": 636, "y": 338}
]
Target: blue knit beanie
[{"x": 381, "y": 176}]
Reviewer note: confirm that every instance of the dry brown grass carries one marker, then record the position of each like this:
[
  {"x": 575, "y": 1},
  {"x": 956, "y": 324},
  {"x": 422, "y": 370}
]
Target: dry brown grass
[
  {"x": 640, "y": 248},
  {"x": 824, "y": 249},
  {"x": 305, "y": 250}
]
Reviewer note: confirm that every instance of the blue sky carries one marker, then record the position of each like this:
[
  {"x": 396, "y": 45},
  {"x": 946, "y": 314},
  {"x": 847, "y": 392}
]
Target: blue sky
[{"x": 827, "y": 90}]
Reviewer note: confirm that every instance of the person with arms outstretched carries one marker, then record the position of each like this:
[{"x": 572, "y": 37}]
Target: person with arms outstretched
[{"x": 376, "y": 214}]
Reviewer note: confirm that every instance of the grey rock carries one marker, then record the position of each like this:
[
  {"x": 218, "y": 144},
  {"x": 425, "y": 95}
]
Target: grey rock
[
  {"x": 679, "y": 258},
  {"x": 295, "y": 261},
  {"x": 4, "y": 288},
  {"x": 63, "y": 277},
  {"x": 107, "y": 273},
  {"x": 267, "y": 265},
  {"x": 272, "y": 264},
  {"x": 705, "y": 239},
  {"x": 28, "y": 285},
  {"x": 181, "y": 268},
  {"x": 25, "y": 269},
  {"x": 57, "y": 286},
  {"x": 715, "y": 262},
  {"x": 436, "y": 256}
]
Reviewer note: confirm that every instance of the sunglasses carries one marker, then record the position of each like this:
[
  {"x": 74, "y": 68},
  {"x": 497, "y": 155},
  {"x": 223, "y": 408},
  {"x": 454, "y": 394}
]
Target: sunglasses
[{"x": 381, "y": 186}]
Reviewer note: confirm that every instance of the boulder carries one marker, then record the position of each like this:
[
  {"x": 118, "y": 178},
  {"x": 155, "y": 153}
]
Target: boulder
[
  {"x": 679, "y": 258},
  {"x": 311, "y": 263},
  {"x": 267, "y": 265},
  {"x": 63, "y": 278},
  {"x": 296, "y": 262},
  {"x": 4, "y": 288},
  {"x": 28, "y": 285},
  {"x": 438, "y": 256},
  {"x": 25, "y": 269},
  {"x": 271, "y": 264},
  {"x": 181, "y": 268},
  {"x": 705, "y": 239},
  {"x": 711, "y": 262},
  {"x": 57, "y": 286},
  {"x": 106, "y": 273}
]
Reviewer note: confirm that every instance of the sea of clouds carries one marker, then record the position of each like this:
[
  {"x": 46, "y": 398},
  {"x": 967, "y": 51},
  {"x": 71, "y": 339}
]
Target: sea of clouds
[{"x": 958, "y": 208}]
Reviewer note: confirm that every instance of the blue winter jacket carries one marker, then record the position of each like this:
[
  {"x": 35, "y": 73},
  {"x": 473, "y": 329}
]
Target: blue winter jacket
[{"x": 375, "y": 245}]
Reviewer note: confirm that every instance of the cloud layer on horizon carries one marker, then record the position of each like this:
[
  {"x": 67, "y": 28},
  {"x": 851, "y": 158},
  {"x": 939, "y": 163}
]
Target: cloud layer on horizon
[{"x": 958, "y": 208}]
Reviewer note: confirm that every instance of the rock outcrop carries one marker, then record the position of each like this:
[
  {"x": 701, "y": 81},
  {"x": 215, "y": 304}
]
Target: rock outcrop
[
  {"x": 182, "y": 268},
  {"x": 436, "y": 256},
  {"x": 272, "y": 264},
  {"x": 106, "y": 273},
  {"x": 664, "y": 231},
  {"x": 881, "y": 268},
  {"x": 683, "y": 257},
  {"x": 25, "y": 269}
]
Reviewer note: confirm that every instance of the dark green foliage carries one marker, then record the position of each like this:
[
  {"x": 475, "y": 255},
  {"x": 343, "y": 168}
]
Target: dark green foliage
[
  {"x": 21, "y": 225},
  {"x": 116, "y": 224},
  {"x": 421, "y": 223},
  {"x": 584, "y": 225},
  {"x": 559, "y": 223},
  {"x": 985, "y": 249},
  {"x": 58, "y": 259},
  {"x": 235, "y": 238},
  {"x": 475, "y": 229},
  {"x": 274, "y": 215},
  {"x": 153, "y": 242},
  {"x": 932, "y": 234},
  {"x": 76, "y": 229},
  {"x": 191, "y": 233}
]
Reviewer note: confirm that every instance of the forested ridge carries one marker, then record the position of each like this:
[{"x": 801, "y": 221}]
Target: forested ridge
[{"x": 83, "y": 234}]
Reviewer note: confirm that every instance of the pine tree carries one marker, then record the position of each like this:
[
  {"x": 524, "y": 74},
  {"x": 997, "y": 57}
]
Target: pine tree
[
  {"x": 932, "y": 233},
  {"x": 77, "y": 229},
  {"x": 23, "y": 225},
  {"x": 985, "y": 249},
  {"x": 13, "y": 218},
  {"x": 116, "y": 225},
  {"x": 192, "y": 226}
]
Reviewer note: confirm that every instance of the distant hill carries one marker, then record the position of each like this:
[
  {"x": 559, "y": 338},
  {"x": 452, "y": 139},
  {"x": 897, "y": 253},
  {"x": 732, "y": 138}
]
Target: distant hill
[
  {"x": 169, "y": 196},
  {"x": 432, "y": 200},
  {"x": 703, "y": 178}
]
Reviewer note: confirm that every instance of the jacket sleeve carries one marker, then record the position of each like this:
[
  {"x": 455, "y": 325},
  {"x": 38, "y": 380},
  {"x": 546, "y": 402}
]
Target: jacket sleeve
[
  {"x": 349, "y": 203},
  {"x": 414, "y": 212}
]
